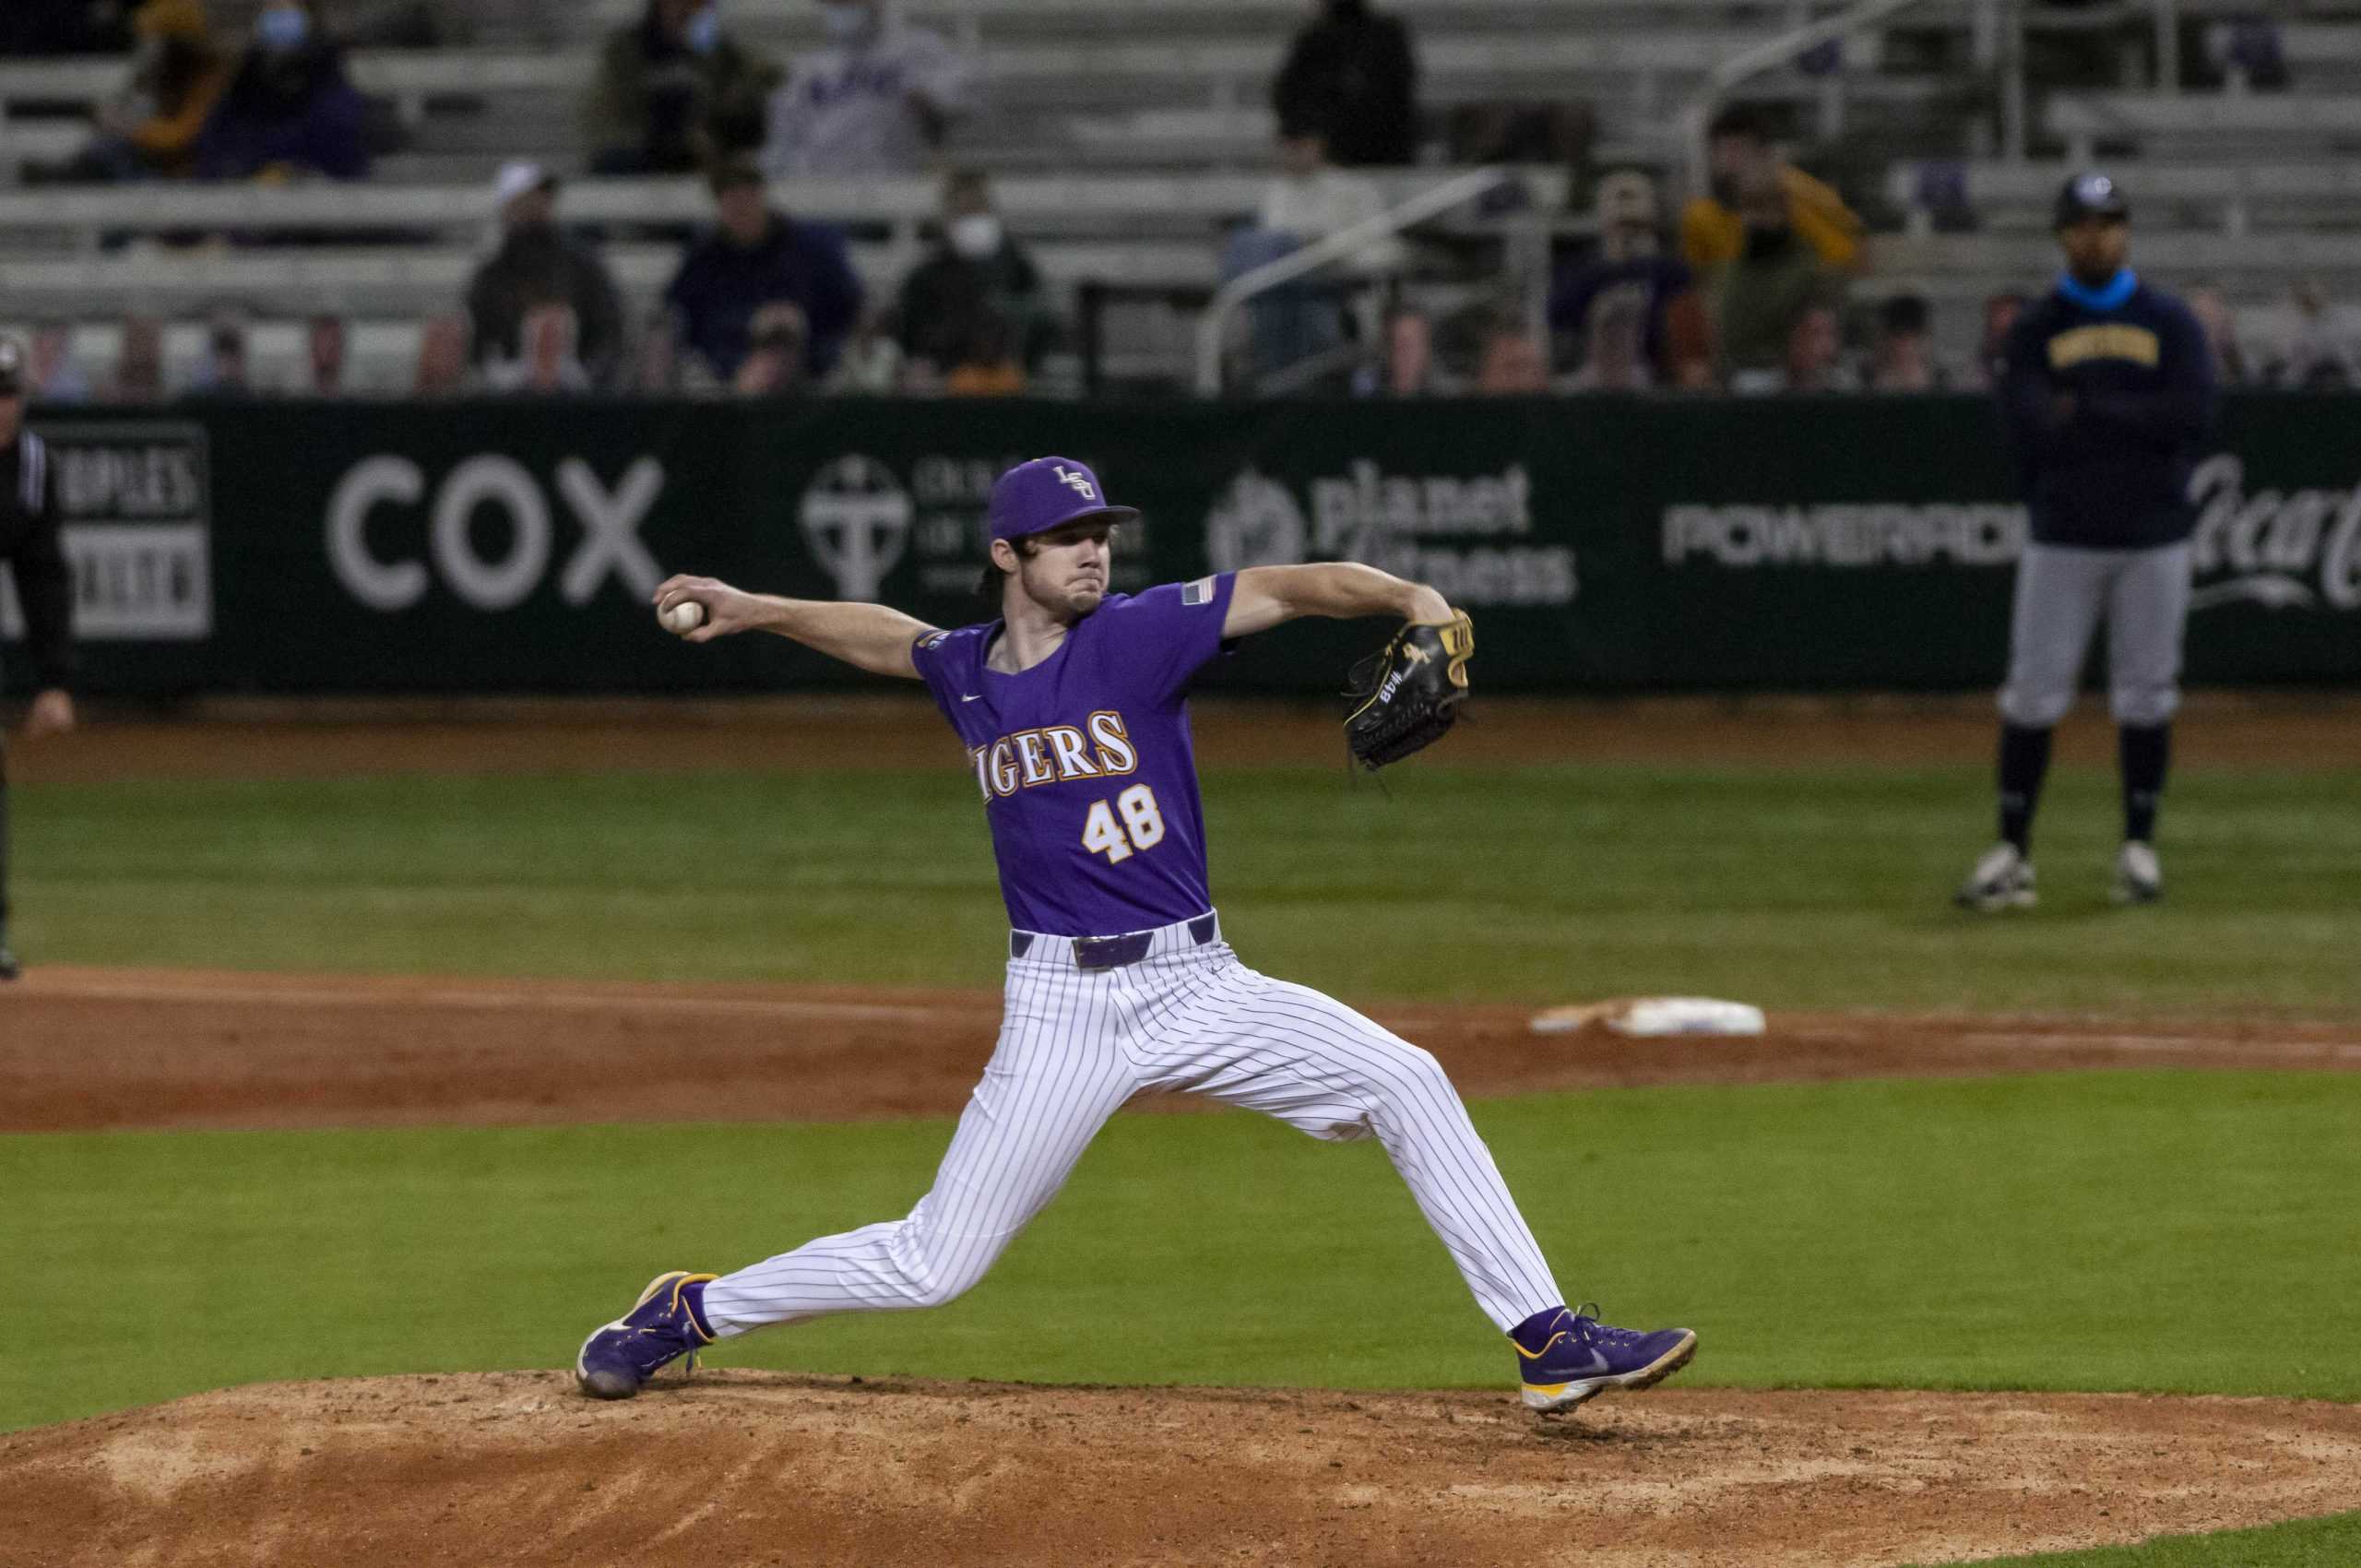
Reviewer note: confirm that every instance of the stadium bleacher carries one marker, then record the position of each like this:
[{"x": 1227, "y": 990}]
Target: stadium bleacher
[{"x": 1127, "y": 139}]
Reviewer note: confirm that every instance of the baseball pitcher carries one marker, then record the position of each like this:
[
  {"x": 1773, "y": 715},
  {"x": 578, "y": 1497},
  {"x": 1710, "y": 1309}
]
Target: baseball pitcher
[
  {"x": 2106, "y": 391},
  {"x": 1073, "y": 709}
]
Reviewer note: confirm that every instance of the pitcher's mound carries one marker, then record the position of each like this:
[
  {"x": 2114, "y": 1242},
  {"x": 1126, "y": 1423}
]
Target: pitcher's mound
[{"x": 755, "y": 1467}]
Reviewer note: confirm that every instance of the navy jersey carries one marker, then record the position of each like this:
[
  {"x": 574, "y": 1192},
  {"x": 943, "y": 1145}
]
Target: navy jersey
[
  {"x": 1084, "y": 762},
  {"x": 2113, "y": 473}
]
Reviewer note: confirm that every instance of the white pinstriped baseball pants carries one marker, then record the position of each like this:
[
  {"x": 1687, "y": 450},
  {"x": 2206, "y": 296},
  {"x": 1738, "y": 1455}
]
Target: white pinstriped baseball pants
[{"x": 1074, "y": 1044}]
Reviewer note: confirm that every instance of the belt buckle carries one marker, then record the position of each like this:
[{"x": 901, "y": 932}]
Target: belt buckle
[{"x": 1110, "y": 952}]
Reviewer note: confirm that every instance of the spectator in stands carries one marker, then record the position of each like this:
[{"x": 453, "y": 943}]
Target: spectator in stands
[
  {"x": 139, "y": 363},
  {"x": 539, "y": 265},
  {"x": 753, "y": 257},
  {"x": 551, "y": 361},
  {"x": 873, "y": 362},
  {"x": 1311, "y": 199},
  {"x": 325, "y": 355},
  {"x": 224, "y": 376},
  {"x": 2321, "y": 355},
  {"x": 1760, "y": 296},
  {"x": 1740, "y": 157},
  {"x": 2000, "y": 313},
  {"x": 777, "y": 352},
  {"x": 1409, "y": 352},
  {"x": 1307, "y": 202},
  {"x": 1816, "y": 353},
  {"x": 150, "y": 131},
  {"x": 62, "y": 27},
  {"x": 1351, "y": 77},
  {"x": 1903, "y": 359},
  {"x": 1629, "y": 275},
  {"x": 878, "y": 100},
  {"x": 2211, "y": 309},
  {"x": 1513, "y": 362},
  {"x": 441, "y": 357},
  {"x": 1615, "y": 356},
  {"x": 288, "y": 111},
  {"x": 676, "y": 93},
  {"x": 53, "y": 375},
  {"x": 978, "y": 295}
]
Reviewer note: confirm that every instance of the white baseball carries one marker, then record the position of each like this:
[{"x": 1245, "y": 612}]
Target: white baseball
[{"x": 684, "y": 617}]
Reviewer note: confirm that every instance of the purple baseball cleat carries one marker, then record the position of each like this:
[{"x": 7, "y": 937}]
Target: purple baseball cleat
[
  {"x": 1564, "y": 1357},
  {"x": 667, "y": 1323}
]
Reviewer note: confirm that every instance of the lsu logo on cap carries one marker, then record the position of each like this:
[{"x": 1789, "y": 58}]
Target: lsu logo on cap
[{"x": 1080, "y": 481}]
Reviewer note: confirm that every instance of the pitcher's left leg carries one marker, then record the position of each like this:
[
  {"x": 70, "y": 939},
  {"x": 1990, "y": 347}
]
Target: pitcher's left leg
[{"x": 1318, "y": 1065}]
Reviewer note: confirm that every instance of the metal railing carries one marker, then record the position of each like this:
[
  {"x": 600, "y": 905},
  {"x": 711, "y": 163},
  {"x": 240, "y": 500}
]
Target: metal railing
[
  {"x": 1213, "y": 326},
  {"x": 1698, "y": 112}
]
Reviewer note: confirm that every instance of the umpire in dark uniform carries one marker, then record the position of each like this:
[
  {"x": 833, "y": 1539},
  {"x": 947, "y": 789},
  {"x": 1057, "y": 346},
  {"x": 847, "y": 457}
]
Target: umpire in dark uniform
[
  {"x": 31, "y": 547},
  {"x": 2106, "y": 396}
]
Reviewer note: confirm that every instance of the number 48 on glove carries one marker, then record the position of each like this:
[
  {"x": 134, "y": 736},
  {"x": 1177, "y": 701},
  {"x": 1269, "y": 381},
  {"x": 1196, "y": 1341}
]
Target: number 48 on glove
[{"x": 1404, "y": 697}]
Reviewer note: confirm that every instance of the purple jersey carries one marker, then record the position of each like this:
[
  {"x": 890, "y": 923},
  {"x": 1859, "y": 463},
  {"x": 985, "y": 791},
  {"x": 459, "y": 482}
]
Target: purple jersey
[{"x": 1088, "y": 777}]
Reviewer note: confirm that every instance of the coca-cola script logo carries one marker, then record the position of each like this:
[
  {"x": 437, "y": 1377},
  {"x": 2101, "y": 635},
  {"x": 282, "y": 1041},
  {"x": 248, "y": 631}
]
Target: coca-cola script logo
[{"x": 2280, "y": 548}]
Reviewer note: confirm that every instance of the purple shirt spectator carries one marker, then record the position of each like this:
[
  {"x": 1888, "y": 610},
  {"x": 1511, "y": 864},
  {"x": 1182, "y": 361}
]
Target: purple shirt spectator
[{"x": 290, "y": 105}]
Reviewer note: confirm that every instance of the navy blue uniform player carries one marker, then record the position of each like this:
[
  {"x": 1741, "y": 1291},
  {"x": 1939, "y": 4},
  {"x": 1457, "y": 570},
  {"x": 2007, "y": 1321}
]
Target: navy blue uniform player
[{"x": 2107, "y": 392}]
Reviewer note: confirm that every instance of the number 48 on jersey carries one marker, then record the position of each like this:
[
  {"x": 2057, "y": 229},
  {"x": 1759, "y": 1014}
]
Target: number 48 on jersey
[{"x": 1142, "y": 826}]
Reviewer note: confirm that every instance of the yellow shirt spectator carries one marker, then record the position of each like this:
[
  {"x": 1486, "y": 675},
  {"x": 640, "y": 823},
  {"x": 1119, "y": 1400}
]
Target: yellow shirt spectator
[{"x": 1712, "y": 234}]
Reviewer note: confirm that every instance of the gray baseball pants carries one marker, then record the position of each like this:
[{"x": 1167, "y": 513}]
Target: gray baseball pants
[{"x": 2061, "y": 594}]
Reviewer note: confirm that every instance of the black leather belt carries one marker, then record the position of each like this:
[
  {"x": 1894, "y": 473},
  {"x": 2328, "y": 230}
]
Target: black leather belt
[{"x": 1114, "y": 952}]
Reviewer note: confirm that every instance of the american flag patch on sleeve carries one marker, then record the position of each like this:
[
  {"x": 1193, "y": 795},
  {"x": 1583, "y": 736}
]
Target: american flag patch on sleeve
[{"x": 1199, "y": 592}]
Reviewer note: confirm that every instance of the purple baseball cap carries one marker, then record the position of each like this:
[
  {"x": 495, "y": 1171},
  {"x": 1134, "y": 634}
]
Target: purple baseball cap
[{"x": 1048, "y": 493}]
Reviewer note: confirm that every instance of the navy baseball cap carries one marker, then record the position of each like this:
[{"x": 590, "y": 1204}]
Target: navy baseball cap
[
  {"x": 2090, "y": 195},
  {"x": 1048, "y": 493}
]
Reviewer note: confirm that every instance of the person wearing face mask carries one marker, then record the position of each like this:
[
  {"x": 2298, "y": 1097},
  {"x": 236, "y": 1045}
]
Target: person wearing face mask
[
  {"x": 1761, "y": 295},
  {"x": 978, "y": 298},
  {"x": 877, "y": 100},
  {"x": 290, "y": 111},
  {"x": 538, "y": 264},
  {"x": 675, "y": 92},
  {"x": 1350, "y": 76},
  {"x": 755, "y": 258},
  {"x": 1740, "y": 155}
]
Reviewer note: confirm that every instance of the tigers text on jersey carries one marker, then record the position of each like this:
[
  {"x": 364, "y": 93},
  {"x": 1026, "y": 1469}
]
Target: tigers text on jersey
[{"x": 1084, "y": 763}]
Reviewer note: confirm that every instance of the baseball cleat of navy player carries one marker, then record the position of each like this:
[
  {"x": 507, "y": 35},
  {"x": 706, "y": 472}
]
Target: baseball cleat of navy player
[
  {"x": 666, "y": 1323},
  {"x": 1071, "y": 703},
  {"x": 2002, "y": 879}
]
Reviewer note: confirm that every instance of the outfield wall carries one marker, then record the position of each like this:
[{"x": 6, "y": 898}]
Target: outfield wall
[{"x": 1604, "y": 544}]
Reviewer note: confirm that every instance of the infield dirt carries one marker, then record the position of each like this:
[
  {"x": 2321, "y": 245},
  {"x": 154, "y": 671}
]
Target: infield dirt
[{"x": 753, "y": 1467}]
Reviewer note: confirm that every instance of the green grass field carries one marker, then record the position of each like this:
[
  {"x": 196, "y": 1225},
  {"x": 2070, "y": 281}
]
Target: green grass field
[
  {"x": 2054, "y": 1232},
  {"x": 1805, "y": 888}
]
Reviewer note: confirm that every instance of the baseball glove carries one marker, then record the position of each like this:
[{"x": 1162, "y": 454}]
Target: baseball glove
[{"x": 1404, "y": 697}]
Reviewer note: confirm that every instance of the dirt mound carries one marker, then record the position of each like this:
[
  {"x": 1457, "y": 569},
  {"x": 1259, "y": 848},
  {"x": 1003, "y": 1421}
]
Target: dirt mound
[
  {"x": 89, "y": 1048},
  {"x": 743, "y": 1466}
]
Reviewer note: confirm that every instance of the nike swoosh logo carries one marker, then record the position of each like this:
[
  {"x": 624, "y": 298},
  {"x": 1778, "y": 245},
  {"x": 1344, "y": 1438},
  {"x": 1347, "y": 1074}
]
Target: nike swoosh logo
[
  {"x": 978, "y": 697},
  {"x": 1537, "y": 1355}
]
